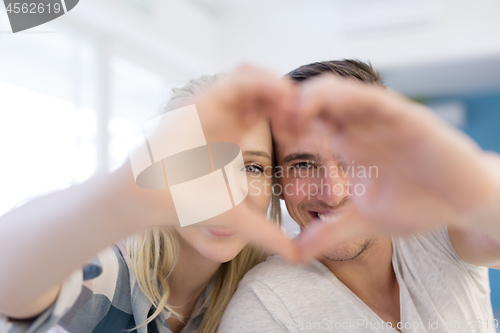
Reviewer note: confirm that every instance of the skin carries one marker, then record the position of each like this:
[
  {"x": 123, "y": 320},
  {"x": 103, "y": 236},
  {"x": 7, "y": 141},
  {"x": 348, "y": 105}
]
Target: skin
[
  {"x": 358, "y": 262},
  {"x": 431, "y": 175},
  {"x": 257, "y": 151},
  {"x": 309, "y": 163},
  {"x": 449, "y": 179},
  {"x": 202, "y": 251},
  {"x": 69, "y": 227}
]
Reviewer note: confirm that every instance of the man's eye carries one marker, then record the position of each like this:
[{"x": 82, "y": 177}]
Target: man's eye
[
  {"x": 302, "y": 165},
  {"x": 254, "y": 168}
]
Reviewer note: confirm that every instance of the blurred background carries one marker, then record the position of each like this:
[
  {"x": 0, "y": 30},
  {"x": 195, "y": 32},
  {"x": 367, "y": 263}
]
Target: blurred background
[{"x": 74, "y": 91}]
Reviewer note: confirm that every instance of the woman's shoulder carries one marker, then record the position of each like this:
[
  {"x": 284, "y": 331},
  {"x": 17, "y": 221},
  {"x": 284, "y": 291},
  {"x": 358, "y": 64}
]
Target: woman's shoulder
[{"x": 108, "y": 270}]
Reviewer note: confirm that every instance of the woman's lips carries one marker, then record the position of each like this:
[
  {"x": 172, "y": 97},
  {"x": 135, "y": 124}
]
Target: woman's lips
[{"x": 221, "y": 231}]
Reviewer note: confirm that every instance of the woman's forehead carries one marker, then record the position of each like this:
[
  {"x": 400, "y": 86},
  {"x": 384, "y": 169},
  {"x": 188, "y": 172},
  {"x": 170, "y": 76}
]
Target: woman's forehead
[{"x": 258, "y": 138}]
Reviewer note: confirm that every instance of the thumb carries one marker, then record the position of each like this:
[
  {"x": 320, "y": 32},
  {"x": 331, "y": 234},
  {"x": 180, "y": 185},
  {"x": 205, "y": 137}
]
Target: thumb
[
  {"x": 320, "y": 237},
  {"x": 264, "y": 233}
]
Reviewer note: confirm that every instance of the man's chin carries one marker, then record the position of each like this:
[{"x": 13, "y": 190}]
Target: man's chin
[{"x": 348, "y": 251}]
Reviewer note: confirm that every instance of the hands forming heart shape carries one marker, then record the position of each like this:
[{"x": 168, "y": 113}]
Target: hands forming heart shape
[{"x": 429, "y": 174}]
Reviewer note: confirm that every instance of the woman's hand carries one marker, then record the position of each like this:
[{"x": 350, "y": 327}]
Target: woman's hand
[
  {"x": 240, "y": 100},
  {"x": 227, "y": 112},
  {"x": 68, "y": 227}
]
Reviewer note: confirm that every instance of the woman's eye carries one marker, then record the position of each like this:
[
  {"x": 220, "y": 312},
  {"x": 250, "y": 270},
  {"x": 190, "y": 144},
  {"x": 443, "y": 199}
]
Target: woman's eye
[
  {"x": 253, "y": 168},
  {"x": 302, "y": 165}
]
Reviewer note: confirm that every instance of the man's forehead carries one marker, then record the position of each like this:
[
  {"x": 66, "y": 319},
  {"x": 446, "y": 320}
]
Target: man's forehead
[{"x": 313, "y": 141}]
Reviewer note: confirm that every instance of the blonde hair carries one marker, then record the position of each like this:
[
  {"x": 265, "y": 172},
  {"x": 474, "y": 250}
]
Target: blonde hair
[{"x": 153, "y": 253}]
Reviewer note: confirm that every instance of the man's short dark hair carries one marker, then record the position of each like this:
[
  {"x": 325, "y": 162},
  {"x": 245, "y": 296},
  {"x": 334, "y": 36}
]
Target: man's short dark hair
[{"x": 346, "y": 68}]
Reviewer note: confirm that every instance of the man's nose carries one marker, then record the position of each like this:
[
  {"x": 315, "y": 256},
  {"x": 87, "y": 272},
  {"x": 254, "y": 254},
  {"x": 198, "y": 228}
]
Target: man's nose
[{"x": 332, "y": 189}]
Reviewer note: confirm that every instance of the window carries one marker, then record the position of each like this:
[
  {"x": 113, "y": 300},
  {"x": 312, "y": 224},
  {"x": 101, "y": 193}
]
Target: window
[
  {"x": 136, "y": 94},
  {"x": 50, "y": 111},
  {"x": 47, "y": 118}
]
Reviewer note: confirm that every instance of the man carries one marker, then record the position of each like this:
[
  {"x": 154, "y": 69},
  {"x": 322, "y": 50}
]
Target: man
[{"x": 427, "y": 182}]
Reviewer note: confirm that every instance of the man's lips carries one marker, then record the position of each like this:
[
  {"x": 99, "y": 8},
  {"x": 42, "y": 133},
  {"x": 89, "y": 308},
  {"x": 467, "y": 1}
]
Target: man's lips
[
  {"x": 221, "y": 231},
  {"x": 325, "y": 215}
]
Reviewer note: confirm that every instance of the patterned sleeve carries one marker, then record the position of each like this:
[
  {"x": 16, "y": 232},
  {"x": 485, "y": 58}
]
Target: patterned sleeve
[{"x": 90, "y": 300}]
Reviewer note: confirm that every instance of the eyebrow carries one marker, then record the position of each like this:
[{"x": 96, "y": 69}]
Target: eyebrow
[
  {"x": 256, "y": 153},
  {"x": 300, "y": 156}
]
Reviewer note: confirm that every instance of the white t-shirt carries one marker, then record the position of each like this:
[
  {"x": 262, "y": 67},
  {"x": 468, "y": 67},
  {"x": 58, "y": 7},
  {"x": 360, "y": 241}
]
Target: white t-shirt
[{"x": 438, "y": 293}]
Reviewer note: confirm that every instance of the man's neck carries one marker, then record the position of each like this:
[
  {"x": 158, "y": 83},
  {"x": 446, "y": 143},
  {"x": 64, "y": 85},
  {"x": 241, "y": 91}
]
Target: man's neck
[{"x": 371, "y": 277}]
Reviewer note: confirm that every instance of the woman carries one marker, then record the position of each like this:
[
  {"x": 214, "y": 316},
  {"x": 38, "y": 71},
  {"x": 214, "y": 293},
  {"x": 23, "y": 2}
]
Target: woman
[{"x": 162, "y": 279}]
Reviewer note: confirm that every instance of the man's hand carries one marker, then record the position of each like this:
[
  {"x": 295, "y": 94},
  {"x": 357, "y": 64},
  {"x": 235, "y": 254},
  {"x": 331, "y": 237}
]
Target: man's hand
[{"x": 429, "y": 174}]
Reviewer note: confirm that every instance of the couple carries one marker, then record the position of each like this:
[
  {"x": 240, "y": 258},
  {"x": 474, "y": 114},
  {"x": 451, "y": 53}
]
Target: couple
[{"x": 182, "y": 279}]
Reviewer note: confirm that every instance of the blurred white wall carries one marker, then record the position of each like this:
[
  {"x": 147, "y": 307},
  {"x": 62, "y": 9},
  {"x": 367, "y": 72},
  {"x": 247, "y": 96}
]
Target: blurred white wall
[
  {"x": 73, "y": 91},
  {"x": 400, "y": 38}
]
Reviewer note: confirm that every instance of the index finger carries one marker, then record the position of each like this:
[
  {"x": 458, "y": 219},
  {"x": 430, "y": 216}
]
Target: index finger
[{"x": 258, "y": 230}]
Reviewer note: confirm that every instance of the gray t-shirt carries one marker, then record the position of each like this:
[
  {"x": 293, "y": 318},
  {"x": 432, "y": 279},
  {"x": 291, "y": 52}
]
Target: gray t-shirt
[{"x": 438, "y": 293}]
